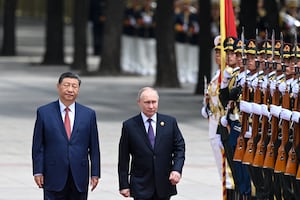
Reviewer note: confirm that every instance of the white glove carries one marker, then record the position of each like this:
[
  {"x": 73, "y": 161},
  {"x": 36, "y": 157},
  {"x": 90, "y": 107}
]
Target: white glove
[
  {"x": 225, "y": 80},
  {"x": 285, "y": 114},
  {"x": 203, "y": 112},
  {"x": 224, "y": 84},
  {"x": 264, "y": 84},
  {"x": 296, "y": 116},
  {"x": 282, "y": 87},
  {"x": 255, "y": 83},
  {"x": 227, "y": 75},
  {"x": 275, "y": 110},
  {"x": 248, "y": 133},
  {"x": 224, "y": 121},
  {"x": 245, "y": 107},
  {"x": 272, "y": 86},
  {"x": 264, "y": 110},
  {"x": 295, "y": 89},
  {"x": 256, "y": 108}
]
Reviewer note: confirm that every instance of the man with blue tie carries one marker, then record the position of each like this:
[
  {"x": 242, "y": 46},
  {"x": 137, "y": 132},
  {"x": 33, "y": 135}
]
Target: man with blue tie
[
  {"x": 154, "y": 148},
  {"x": 65, "y": 147}
]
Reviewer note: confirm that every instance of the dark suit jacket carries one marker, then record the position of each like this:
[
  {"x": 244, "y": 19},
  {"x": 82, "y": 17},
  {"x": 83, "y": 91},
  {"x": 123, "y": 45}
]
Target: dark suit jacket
[
  {"x": 150, "y": 168},
  {"x": 53, "y": 154}
]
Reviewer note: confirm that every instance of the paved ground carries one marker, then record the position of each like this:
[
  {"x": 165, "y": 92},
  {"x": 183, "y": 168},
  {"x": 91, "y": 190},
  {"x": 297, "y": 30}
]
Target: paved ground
[{"x": 24, "y": 87}]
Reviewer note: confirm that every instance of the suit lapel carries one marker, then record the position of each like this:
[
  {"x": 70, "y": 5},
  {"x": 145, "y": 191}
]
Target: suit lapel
[
  {"x": 59, "y": 120},
  {"x": 142, "y": 130},
  {"x": 159, "y": 129},
  {"x": 76, "y": 120}
]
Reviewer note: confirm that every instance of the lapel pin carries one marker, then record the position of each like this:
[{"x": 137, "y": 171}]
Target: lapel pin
[{"x": 162, "y": 123}]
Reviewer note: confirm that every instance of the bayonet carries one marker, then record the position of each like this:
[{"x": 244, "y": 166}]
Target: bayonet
[
  {"x": 295, "y": 54},
  {"x": 257, "y": 62},
  {"x": 266, "y": 55},
  {"x": 281, "y": 55},
  {"x": 243, "y": 53},
  {"x": 274, "y": 64}
]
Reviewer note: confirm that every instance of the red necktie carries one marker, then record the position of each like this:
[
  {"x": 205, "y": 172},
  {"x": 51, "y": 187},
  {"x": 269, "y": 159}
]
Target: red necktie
[{"x": 67, "y": 122}]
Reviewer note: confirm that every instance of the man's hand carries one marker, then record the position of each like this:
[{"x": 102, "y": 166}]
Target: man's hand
[
  {"x": 94, "y": 182},
  {"x": 39, "y": 180},
  {"x": 125, "y": 192},
  {"x": 174, "y": 177}
]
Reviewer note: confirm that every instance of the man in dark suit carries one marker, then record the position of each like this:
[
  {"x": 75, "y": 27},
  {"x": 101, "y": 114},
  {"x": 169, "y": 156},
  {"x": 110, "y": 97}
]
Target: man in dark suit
[
  {"x": 152, "y": 144},
  {"x": 65, "y": 140}
]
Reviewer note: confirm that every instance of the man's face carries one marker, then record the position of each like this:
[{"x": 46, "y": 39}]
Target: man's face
[
  {"x": 68, "y": 90},
  {"x": 148, "y": 102},
  {"x": 251, "y": 62},
  {"x": 218, "y": 57},
  {"x": 290, "y": 66},
  {"x": 239, "y": 59},
  {"x": 231, "y": 58},
  {"x": 263, "y": 58}
]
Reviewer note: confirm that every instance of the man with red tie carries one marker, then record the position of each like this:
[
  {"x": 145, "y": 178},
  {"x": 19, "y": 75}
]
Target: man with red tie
[{"x": 65, "y": 147}]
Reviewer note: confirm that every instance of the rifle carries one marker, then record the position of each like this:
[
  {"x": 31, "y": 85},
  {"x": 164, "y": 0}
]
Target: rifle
[
  {"x": 250, "y": 150},
  {"x": 271, "y": 153},
  {"x": 292, "y": 157},
  {"x": 259, "y": 157},
  {"x": 296, "y": 132},
  {"x": 280, "y": 164},
  {"x": 281, "y": 156},
  {"x": 240, "y": 147}
]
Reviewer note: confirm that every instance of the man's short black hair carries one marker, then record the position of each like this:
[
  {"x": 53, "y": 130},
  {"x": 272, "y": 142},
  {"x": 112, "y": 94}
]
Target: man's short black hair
[{"x": 69, "y": 75}]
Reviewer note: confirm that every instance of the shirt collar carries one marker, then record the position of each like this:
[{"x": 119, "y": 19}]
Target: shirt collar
[
  {"x": 62, "y": 106},
  {"x": 145, "y": 118}
]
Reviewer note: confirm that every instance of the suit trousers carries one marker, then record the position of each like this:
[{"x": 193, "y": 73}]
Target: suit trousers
[{"x": 70, "y": 192}]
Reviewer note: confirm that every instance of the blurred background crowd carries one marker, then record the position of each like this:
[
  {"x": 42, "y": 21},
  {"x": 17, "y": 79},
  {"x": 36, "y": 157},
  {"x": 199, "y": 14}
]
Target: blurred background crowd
[
  {"x": 139, "y": 23},
  {"x": 138, "y": 39}
]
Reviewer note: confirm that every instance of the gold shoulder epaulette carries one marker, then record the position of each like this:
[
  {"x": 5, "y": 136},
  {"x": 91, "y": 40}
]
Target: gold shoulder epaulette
[{"x": 271, "y": 76}]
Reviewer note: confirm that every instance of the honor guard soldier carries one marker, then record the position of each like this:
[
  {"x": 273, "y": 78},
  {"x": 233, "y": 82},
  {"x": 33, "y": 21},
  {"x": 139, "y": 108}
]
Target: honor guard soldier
[
  {"x": 230, "y": 95},
  {"x": 263, "y": 57},
  {"x": 279, "y": 135},
  {"x": 251, "y": 106},
  {"x": 97, "y": 17},
  {"x": 186, "y": 24},
  {"x": 212, "y": 110},
  {"x": 295, "y": 118},
  {"x": 146, "y": 20},
  {"x": 285, "y": 157},
  {"x": 270, "y": 59},
  {"x": 229, "y": 123}
]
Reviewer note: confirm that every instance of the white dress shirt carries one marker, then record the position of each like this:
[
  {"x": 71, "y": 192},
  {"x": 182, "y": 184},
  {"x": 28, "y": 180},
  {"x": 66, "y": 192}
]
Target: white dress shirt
[{"x": 71, "y": 113}]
